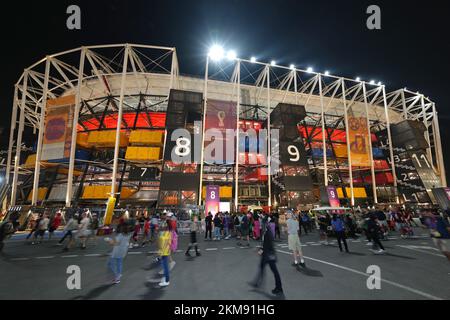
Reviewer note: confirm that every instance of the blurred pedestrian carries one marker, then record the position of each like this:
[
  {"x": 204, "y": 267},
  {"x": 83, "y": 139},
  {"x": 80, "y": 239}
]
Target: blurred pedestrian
[
  {"x": 193, "y": 242},
  {"x": 339, "y": 228},
  {"x": 120, "y": 245},
  {"x": 269, "y": 257}
]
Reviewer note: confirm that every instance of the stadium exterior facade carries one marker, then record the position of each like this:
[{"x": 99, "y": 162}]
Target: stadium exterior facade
[{"x": 126, "y": 90}]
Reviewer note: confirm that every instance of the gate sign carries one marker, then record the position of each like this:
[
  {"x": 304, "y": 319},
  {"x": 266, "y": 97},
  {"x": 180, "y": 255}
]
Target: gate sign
[
  {"x": 212, "y": 199},
  {"x": 333, "y": 197}
]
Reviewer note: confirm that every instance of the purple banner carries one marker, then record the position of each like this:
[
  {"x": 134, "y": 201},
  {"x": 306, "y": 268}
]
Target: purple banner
[
  {"x": 333, "y": 197},
  {"x": 212, "y": 199}
]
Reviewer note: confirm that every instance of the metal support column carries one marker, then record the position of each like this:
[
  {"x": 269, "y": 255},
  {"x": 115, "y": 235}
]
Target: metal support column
[
  {"x": 427, "y": 132},
  {"x": 205, "y": 106},
  {"x": 324, "y": 141},
  {"x": 349, "y": 155},
  {"x": 438, "y": 147},
  {"x": 372, "y": 167},
  {"x": 119, "y": 121},
  {"x": 391, "y": 150},
  {"x": 18, "y": 147},
  {"x": 269, "y": 144},
  {"x": 74, "y": 129},
  {"x": 236, "y": 173},
  {"x": 37, "y": 168},
  {"x": 11, "y": 143}
]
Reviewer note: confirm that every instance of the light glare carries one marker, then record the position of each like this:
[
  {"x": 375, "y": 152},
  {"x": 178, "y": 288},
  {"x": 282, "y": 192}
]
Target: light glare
[
  {"x": 292, "y": 67},
  {"x": 310, "y": 69},
  {"x": 272, "y": 63},
  {"x": 231, "y": 55},
  {"x": 252, "y": 59},
  {"x": 327, "y": 73},
  {"x": 216, "y": 52},
  {"x": 358, "y": 79}
]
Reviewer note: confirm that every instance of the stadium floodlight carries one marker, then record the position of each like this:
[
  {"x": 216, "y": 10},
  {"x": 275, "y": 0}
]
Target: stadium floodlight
[
  {"x": 358, "y": 79},
  {"x": 272, "y": 63},
  {"x": 292, "y": 67},
  {"x": 216, "y": 52},
  {"x": 327, "y": 73},
  {"x": 231, "y": 55},
  {"x": 310, "y": 69},
  {"x": 372, "y": 82}
]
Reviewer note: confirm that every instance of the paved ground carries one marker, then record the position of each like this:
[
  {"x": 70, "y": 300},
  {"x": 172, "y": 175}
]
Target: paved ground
[{"x": 412, "y": 269}]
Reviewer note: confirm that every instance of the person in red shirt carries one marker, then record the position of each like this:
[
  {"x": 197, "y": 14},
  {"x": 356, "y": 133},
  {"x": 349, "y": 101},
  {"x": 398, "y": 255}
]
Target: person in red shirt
[{"x": 55, "y": 224}]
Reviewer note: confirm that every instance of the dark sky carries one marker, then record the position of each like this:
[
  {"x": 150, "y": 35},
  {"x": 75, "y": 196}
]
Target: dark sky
[{"x": 411, "y": 50}]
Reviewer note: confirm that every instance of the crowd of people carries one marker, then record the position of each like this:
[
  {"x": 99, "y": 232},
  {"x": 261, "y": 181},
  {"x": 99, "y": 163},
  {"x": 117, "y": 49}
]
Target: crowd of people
[{"x": 137, "y": 230}]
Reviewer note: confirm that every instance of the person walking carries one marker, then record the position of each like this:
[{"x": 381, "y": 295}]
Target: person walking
[
  {"x": 208, "y": 226},
  {"x": 303, "y": 222},
  {"x": 245, "y": 229},
  {"x": 120, "y": 248},
  {"x": 269, "y": 257},
  {"x": 7, "y": 229},
  {"x": 373, "y": 230},
  {"x": 256, "y": 226},
  {"x": 339, "y": 228},
  {"x": 294, "y": 240},
  {"x": 34, "y": 226},
  {"x": 69, "y": 230},
  {"x": 193, "y": 243},
  {"x": 54, "y": 225},
  {"x": 83, "y": 229},
  {"x": 217, "y": 226},
  {"x": 41, "y": 228},
  {"x": 323, "y": 228},
  {"x": 164, "y": 242}
]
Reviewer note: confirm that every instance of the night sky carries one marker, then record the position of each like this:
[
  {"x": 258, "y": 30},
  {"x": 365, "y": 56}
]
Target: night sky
[{"x": 412, "y": 49}]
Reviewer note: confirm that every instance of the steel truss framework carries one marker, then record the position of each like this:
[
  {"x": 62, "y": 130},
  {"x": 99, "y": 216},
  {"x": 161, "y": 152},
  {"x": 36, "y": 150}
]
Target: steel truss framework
[{"x": 113, "y": 79}]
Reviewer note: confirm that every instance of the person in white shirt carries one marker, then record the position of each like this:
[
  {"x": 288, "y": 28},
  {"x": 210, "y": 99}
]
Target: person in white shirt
[
  {"x": 84, "y": 230},
  {"x": 41, "y": 228},
  {"x": 294, "y": 239}
]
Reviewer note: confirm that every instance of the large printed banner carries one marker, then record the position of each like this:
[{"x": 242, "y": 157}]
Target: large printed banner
[
  {"x": 220, "y": 128},
  {"x": 333, "y": 197},
  {"x": 58, "y": 128},
  {"x": 359, "y": 141},
  {"x": 212, "y": 199}
]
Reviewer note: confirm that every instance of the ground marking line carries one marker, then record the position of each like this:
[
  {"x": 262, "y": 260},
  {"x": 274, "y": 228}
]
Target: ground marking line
[
  {"x": 135, "y": 252},
  {"x": 419, "y": 250},
  {"x": 19, "y": 259},
  {"x": 395, "y": 284},
  {"x": 70, "y": 256},
  {"x": 316, "y": 244},
  {"x": 229, "y": 248},
  {"x": 211, "y": 249},
  {"x": 93, "y": 255},
  {"x": 47, "y": 257}
]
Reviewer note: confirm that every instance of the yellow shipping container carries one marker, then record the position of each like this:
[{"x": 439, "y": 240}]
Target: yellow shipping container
[
  {"x": 357, "y": 192},
  {"x": 42, "y": 192},
  {"x": 82, "y": 139},
  {"x": 31, "y": 161},
  {"x": 107, "y": 139},
  {"x": 146, "y": 137},
  {"x": 143, "y": 153}
]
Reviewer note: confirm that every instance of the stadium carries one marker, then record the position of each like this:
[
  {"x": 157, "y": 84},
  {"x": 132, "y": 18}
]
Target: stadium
[{"x": 102, "y": 119}]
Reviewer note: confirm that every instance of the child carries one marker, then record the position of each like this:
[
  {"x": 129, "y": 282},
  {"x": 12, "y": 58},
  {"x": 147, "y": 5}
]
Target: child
[
  {"x": 164, "y": 241},
  {"x": 120, "y": 249}
]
